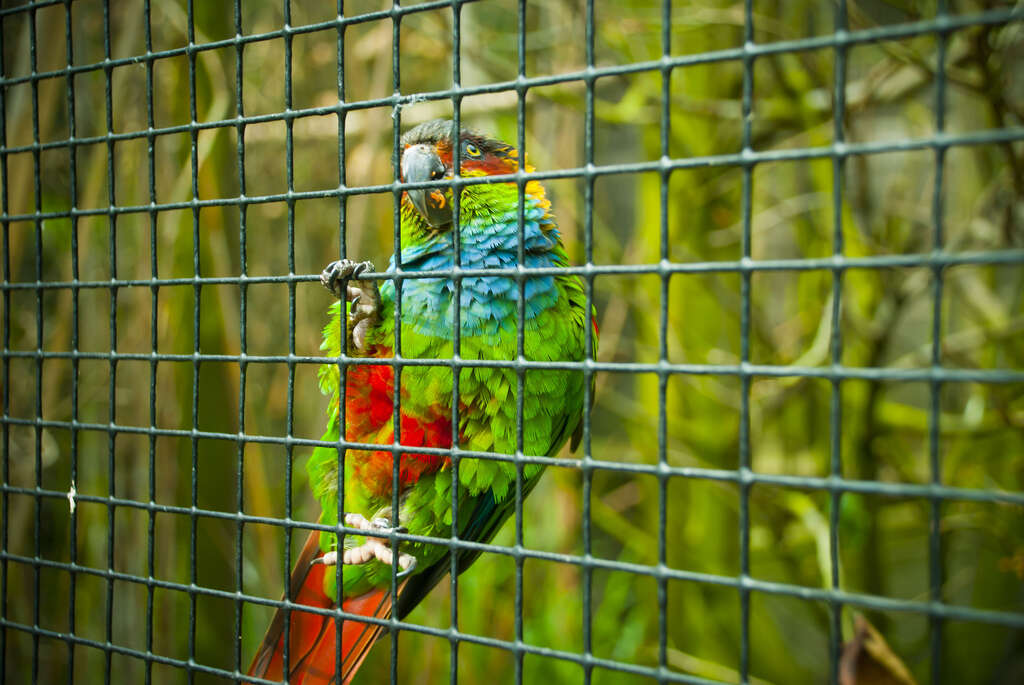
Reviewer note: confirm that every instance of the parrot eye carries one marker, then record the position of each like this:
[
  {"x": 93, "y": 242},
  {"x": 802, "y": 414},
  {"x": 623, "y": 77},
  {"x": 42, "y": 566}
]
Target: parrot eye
[{"x": 471, "y": 150}]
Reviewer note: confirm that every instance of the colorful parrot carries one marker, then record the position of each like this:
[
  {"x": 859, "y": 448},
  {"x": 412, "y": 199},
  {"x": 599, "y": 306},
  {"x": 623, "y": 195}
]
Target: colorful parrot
[{"x": 554, "y": 330}]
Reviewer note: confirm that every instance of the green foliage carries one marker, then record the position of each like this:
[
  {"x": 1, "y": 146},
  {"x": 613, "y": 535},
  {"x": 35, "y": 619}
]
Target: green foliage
[{"x": 885, "y": 208}]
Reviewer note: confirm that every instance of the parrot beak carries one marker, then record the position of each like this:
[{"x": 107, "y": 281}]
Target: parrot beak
[{"x": 421, "y": 163}]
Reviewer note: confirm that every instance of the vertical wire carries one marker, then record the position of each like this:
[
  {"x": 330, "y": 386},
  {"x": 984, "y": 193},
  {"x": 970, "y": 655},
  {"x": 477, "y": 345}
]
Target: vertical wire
[
  {"x": 836, "y": 408},
  {"x": 396, "y": 406},
  {"x": 588, "y": 246},
  {"x": 112, "y": 223},
  {"x": 38, "y": 231},
  {"x": 453, "y": 555},
  {"x": 663, "y": 377},
  {"x": 520, "y": 335},
  {"x": 196, "y": 321},
  {"x": 745, "y": 294},
  {"x": 935, "y": 622},
  {"x": 289, "y": 162},
  {"x": 73, "y": 197},
  {"x": 154, "y": 344},
  {"x": 5, "y": 386},
  {"x": 243, "y": 329},
  {"x": 343, "y": 367}
]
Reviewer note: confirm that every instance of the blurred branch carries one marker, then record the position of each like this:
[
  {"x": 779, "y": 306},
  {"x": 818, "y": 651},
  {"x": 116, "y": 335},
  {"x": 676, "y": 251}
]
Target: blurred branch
[
  {"x": 867, "y": 659},
  {"x": 703, "y": 668}
]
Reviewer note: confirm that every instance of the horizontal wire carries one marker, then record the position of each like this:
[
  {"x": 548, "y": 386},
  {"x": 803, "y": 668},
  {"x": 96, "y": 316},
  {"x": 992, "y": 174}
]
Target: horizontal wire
[
  {"x": 739, "y": 476},
  {"x": 932, "y": 260},
  {"x": 867, "y": 601},
  {"x": 39, "y": 4},
  {"x": 451, "y": 634},
  {"x": 812, "y": 482},
  {"x": 745, "y": 158},
  {"x": 743, "y": 370},
  {"x": 839, "y": 39},
  {"x": 150, "y": 657},
  {"x": 396, "y": 12}
]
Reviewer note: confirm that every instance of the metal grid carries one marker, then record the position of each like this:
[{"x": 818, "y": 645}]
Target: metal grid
[{"x": 936, "y": 492}]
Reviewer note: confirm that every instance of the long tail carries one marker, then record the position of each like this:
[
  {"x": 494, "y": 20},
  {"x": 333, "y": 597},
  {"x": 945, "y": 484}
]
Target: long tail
[{"x": 312, "y": 655}]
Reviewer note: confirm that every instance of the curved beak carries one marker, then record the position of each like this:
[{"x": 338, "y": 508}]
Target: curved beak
[{"x": 421, "y": 163}]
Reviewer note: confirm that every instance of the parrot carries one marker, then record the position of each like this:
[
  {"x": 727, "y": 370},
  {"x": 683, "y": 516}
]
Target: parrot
[{"x": 555, "y": 319}]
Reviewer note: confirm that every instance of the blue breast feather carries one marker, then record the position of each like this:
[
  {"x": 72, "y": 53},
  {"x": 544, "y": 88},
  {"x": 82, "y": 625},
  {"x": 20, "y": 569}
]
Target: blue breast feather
[{"x": 488, "y": 304}]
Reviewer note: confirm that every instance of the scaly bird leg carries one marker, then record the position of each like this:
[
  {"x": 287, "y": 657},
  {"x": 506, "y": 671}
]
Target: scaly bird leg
[
  {"x": 373, "y": 548},
  {"x": 364, "y": 296}
]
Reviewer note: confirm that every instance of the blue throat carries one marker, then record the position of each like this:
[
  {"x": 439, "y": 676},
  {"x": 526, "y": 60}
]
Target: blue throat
[{"x": 488, "y": 304}]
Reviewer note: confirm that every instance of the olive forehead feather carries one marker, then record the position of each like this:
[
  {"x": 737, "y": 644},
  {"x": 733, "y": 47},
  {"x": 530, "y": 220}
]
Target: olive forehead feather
[{"x": 436, "y": 130}]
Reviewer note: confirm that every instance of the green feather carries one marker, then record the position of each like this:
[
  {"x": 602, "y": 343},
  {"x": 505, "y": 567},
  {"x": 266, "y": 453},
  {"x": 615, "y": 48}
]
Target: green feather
[{"x": 488, "y": 397}]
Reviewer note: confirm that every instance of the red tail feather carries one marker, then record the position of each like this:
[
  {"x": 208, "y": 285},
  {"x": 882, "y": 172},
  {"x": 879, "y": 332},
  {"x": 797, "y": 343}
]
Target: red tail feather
[{"x": 312, "y": 638}]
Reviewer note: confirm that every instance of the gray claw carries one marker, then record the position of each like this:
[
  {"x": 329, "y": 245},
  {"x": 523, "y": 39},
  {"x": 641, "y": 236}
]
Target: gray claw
[
  {"x": 363, "y": 296},
  {"x": 343, "y": 269}
]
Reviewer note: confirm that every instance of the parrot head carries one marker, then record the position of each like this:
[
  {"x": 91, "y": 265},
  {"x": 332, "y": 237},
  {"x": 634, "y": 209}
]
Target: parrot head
[{"x": 427, "y": 155}]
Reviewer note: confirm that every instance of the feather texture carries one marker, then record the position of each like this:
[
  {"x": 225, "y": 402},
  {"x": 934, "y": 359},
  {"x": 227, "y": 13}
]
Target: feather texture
[{"x": 553, "y": 324}]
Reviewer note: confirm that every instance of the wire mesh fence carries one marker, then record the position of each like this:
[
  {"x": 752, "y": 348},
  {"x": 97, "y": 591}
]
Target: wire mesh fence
[{"x": 800, "y": 225}]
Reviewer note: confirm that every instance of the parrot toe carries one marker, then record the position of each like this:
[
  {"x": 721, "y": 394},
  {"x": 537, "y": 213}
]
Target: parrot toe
[
  {"x": 340, "y": 270},
  {"x": 374, "y": 548},
  {"x": 364, "y": 297}
]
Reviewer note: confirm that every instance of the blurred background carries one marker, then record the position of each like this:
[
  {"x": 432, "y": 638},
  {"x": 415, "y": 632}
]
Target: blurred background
[{"x": 885, "y": 208}]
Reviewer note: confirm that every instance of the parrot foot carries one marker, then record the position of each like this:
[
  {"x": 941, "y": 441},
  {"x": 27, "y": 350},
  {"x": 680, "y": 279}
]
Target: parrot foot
[
  {"x": 373, "y": 548},
  {"x": 364, "y": 296}
]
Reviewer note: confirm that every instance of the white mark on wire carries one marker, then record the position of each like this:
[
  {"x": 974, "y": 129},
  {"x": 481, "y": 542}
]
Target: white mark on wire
[
  {"x": 413, "y": 99},
  {"x": 71, "y": 497}
]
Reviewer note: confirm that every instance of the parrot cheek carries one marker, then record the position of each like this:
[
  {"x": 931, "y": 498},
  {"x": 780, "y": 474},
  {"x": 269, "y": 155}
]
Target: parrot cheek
[
  {"x": 433, "y": 204},
  {"x": 422, "y": 163}
]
